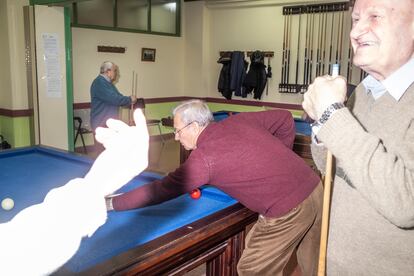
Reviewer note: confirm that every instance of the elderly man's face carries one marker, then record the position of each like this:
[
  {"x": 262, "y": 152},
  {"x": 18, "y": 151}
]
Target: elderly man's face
[
  {"x": 113, "y": 74},
  {"x": 185, "y": 133},
  {"x": 382, "y": 35}
]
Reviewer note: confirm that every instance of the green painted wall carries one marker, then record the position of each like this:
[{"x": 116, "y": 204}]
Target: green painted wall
[
  {"x": 16, "y": 130},
  {"x": 161, "y": 110},
  {"x": 244, "y": 108},
  {"x": 158, "y": 111},
  {"x": 154, "y": 111},
  {"x": 233, "y": 107}
]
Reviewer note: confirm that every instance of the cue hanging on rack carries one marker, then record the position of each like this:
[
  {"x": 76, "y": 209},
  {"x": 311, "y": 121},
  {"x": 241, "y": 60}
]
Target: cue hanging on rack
[{"x": 311, "y": 45}]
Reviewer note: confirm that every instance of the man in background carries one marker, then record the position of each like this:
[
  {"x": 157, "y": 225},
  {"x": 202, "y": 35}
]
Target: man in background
[
  {"x": 106, "y": 99},
  {"x": 372, "y": 138}
]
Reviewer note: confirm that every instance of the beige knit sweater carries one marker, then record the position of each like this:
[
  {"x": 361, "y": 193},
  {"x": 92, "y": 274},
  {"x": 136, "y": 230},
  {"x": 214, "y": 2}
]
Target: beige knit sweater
[{"x": 372, "y": 212}]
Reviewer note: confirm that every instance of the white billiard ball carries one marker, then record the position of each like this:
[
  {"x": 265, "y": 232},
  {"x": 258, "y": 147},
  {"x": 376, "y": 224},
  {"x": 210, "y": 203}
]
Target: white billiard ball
[{"x": 7, "y": 204}]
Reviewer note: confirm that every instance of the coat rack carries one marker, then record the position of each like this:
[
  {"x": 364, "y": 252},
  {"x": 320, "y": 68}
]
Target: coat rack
[{"x": 248, "y": 53}]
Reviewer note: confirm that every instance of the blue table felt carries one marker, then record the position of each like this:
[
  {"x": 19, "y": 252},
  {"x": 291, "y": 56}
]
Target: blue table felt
[
  {"x": 221, "y": 115},
  {"x": 27, "y": 175},
  {"x": 302, "y": 127}
]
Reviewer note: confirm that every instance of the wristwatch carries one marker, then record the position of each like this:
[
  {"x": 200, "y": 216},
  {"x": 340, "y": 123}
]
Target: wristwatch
[{"x": 329, "y": 111}]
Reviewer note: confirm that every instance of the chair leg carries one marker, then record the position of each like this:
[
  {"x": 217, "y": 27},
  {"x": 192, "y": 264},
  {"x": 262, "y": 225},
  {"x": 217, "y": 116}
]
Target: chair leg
[
  {"x": 159, "y": 129},
  {"x": 76, "y": 138},
  {"x": 83, "y": 143}
]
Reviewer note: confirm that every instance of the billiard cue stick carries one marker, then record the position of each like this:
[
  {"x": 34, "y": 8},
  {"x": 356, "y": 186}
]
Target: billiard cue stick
[
  {"x": 331, "y": 38},
  {"x": 324, "y": 39},
  {"x": 325, "y": 214},
  {"x": 131, "y": 109},
  {"x": 282, "y": 76},
  {"x": 306, "y": 58},
  {"x": 326, "y": 202},
  {"x": 298, "y": 49},
  {"x": 341, "y": 36},
  {"x": 135, "y": 94},
  {"x": 289, "y": 45},
  {"x": 319, "y": 39},
  {"x": 311, "y": 48}
]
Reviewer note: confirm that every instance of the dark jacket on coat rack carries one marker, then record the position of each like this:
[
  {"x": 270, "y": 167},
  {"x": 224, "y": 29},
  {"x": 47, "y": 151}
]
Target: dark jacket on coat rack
[
  {"x": 224, "y": 77},
  {"x": 237, "y": 73},
  {"x": 256, "y": 77},
  {"x": 232, "y": 74}
]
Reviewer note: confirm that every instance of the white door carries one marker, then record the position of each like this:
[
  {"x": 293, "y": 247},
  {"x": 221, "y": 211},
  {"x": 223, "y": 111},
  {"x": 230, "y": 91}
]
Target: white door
[{"x": 51, "y": 76}]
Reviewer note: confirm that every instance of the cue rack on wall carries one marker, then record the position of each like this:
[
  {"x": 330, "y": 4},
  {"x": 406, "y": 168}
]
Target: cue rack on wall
[{"x": 315, "y": 37}]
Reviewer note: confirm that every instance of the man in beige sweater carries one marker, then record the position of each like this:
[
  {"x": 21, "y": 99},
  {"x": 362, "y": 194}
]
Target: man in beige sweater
[{"x": 372, "y": 212}]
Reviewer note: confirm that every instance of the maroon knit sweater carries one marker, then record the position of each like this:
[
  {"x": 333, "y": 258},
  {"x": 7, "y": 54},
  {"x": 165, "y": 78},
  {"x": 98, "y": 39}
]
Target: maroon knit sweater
[{"x": 249, "y": 156}]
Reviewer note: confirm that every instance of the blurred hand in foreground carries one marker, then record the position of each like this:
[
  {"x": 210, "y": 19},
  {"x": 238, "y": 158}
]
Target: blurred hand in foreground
[{"x": 125, "y": 154}]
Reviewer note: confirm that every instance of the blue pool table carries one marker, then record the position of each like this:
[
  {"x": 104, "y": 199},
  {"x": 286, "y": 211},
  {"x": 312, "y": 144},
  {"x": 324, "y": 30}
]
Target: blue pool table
[
  {"x": 302, "y": 126},
  {"x": 174, "y": 236},
  {"x": 301, "y": 144}
]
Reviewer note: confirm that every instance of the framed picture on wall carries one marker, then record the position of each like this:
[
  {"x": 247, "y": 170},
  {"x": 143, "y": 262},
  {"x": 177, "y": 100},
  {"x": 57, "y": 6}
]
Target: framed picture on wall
[{"x": 148, "y": 54}]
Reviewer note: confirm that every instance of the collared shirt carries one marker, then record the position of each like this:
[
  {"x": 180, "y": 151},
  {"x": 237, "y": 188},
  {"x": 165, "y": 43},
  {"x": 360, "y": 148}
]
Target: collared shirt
[
  {"x": 106, "y": 77},
  {"x": 396, "y": 84}
]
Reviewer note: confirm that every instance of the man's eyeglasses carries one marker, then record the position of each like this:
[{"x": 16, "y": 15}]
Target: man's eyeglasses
[{"x": 177, "y": 131}]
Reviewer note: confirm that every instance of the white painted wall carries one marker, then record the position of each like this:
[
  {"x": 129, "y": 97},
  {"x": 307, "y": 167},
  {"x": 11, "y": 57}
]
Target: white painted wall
[
  {"x": 214, "y": 26},
  {"x": 162, "y": 78},
  {"x": 187, "y": 65},
  {"x": 5, "y": 78},
  {"x": 248, "y": 29},
  {"x": 13, "y": 89},
  {"x": 197, "y": 56}
]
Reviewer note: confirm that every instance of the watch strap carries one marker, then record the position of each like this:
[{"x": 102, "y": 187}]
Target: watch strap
[{"x": 329, "y": 111}]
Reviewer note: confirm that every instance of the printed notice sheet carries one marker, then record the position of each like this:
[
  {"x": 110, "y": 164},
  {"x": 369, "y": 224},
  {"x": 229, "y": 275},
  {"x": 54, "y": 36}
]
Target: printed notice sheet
[{"x": 52, "y": 65}]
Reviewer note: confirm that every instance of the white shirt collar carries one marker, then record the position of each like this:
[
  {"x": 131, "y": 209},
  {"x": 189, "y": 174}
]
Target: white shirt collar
[
  {"x": 396, "y": 84},
  {"x": 106, "y": 77},
  {"x": 374, "y": 87}
]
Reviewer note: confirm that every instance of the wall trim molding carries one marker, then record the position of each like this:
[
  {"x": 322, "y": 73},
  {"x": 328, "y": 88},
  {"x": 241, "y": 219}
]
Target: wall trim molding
[
  {"x": 208, "y": 100},
  {"x": 254, "y": 103},
  {"x": 86, "y": 105},
  {"x": 16, "y": 113}
]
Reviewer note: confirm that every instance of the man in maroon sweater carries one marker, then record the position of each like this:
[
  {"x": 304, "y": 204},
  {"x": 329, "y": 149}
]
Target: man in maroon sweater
[{"x": 249, "y": 156}]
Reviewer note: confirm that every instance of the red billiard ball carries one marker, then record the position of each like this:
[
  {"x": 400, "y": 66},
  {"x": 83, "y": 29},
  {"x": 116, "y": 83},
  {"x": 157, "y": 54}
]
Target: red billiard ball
[{"x": 195, "y": 194}]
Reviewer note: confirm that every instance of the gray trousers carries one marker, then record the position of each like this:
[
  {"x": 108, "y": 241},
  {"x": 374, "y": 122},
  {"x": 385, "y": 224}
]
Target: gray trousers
[{"x": 272, "y": 241}]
